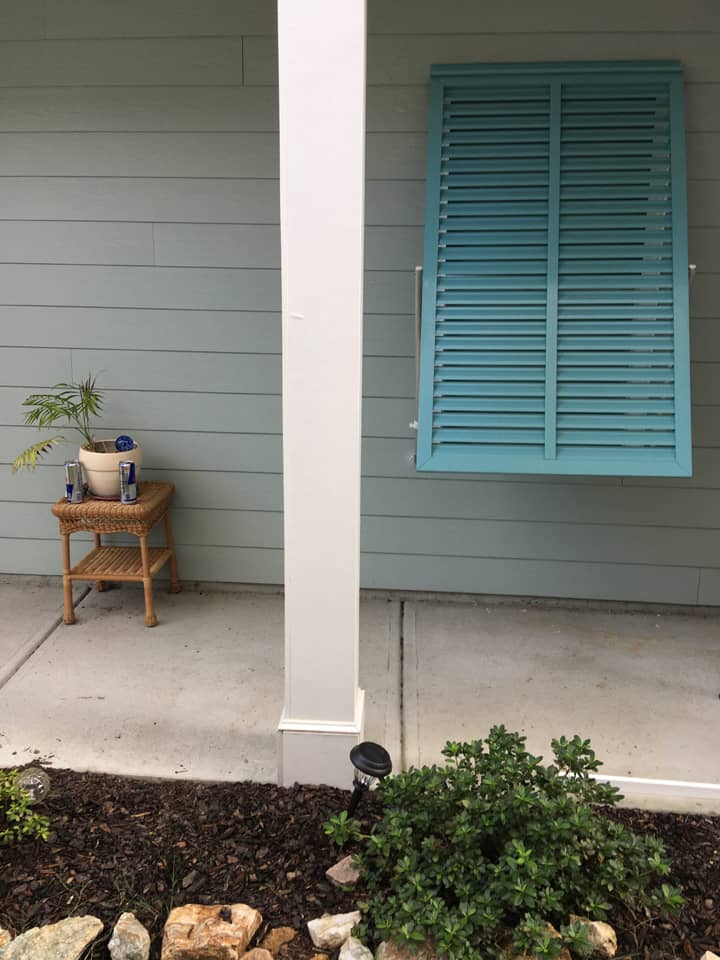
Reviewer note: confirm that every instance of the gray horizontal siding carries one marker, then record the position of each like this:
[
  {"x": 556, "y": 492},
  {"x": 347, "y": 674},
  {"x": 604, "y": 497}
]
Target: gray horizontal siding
[{"x": 139, "y": 238}]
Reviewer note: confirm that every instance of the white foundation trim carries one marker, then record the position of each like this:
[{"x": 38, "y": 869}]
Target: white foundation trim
[{"x": 684, "y": 789}]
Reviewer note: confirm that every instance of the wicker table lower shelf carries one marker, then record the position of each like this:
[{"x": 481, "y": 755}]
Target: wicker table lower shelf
[{"x": 118, "y": 563}]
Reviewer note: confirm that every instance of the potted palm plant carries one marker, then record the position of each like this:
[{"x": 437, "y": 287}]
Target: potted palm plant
[{"x": 74, "y": 405}]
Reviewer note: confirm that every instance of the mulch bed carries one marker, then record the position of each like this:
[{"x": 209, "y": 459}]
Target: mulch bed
[{"x": 120, "y": 844}]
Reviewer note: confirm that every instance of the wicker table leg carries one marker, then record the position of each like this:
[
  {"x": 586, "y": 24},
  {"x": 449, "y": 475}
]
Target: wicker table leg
[
  {"x": 174, "y": 582},
  {"x": 99, "y": 584},
  {"x": 150, "y": 618},
  {"x": 68, "y": 612}
]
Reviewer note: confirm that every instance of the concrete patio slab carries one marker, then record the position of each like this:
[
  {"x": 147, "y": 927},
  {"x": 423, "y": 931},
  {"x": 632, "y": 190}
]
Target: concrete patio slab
[
  {"x": 643, "y": 687},
  {"x": 199, "y": 696},
  {"x": 31, "y": 609}
]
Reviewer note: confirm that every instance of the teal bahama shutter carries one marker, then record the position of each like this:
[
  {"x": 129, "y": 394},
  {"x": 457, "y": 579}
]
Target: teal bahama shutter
[{"x": 555, "y": 331}]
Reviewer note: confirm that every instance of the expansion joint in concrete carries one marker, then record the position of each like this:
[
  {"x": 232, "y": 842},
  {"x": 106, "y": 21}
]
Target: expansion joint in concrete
[{"x": 8, "y": 671}]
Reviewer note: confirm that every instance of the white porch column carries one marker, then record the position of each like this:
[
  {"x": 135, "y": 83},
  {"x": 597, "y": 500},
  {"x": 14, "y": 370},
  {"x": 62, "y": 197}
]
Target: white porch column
[{"x": 321, "y": 45}]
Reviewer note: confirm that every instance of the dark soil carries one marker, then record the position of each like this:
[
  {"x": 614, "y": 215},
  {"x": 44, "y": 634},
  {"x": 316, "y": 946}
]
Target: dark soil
[{"x": 118, "y": 844}]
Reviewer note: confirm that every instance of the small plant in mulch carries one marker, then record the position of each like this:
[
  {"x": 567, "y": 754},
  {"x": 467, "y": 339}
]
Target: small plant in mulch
[
  {"x": 18, "y": 821},
  {"x": 482, "y": 852}
]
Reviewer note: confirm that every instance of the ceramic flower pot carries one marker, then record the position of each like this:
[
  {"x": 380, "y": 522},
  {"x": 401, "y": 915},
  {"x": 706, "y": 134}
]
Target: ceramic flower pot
[{"x": 100, "y": 467}]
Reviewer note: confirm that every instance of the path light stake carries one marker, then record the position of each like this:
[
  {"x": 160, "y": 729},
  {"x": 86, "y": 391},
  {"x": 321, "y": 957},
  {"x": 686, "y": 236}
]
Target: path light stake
[
  {"x": 371, "y": 762},
  {"x": 35, "y": 782}
]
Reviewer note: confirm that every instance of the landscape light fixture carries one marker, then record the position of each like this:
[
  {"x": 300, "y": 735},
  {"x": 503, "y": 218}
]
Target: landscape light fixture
[
  {"x": 371, "y": 762},
  {"x": 35, "y": 783}
]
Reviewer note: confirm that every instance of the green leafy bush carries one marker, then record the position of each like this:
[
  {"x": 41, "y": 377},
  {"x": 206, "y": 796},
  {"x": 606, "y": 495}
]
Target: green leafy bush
[
  {"x": 488, "y": 848},
  {"x": 17, "y": 818}
]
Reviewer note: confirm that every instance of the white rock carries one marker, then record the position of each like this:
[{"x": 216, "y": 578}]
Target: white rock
[
  {"x": 709, "y": 955},
  {"x": 332, "y": 930},
  {"x": 352, "y": 949},
  {"x": 130, "y": 940},
  {"x": 5, "y": 937}
]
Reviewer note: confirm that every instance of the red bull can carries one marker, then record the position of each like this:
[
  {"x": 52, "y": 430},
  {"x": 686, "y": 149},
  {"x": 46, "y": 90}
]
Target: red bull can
[
  {"x": 73, "y": 481},
  {"x": 128, "y": 484}
]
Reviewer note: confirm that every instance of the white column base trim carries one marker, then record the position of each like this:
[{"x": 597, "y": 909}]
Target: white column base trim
[
  {"x": 317, "y": 751},
  {"x": 675, "y": 795}
]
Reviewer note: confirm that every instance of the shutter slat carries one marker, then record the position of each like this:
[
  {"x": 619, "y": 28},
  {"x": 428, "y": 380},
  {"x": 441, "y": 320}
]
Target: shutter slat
[
  {"x": 464, "y": 358},
  {"x": 523, "y": 374},
  {"x": 618, "y": 390},
  {"x": 495, "y": 312},
  {"x": 616, "y": 229},
  {"x": 497, "y": 420},
  {"x": 616, "y": 328},
  {"x": 475, "y": 436},
  {"x": 621, "y": 375},
  {"x": 617, "y": 438},
  {"x": 487, "y": 388},
  {"x": 615, "y": 342},
  {"x": 609, "y": 405},
  {"x": 626, "y": 312},
  {"x": 462, "y": 209},
  {"x": 608, "y": 421},
  {"x": 492, "y": 284},
  {"x": 483, "y": 343},
  {"x": 593, "y": 358},
  {"x": 447, "y": 328},
  {"x": 492, "y": 404},
  {"x": 657, "y": 267}
]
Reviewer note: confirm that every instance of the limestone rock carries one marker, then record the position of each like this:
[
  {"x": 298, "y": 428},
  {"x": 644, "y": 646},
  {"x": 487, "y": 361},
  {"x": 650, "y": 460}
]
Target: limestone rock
[
  {"x": 393, "y": 951},
  {"x": 344, "y": 873},
  {"x": 257, "y": 953},
  {"x": 601, "y": 935},
  {"x": 277, "y": 938},
  {"x": 603, "y": 938},
  {"x": 130, "y": 940},
  {"x": 352, "y": 949},
  {"x": 5, "y": 937},
  {"x": 65, "y": 940},
  {"x": 197, "y": 932},
  {"x": 332, "y": 930},
  {"x": 709, "y": 955}
]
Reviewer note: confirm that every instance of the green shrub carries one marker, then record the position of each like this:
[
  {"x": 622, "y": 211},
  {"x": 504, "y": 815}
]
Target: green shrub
[
  {"x": 488, "y": 848},
  {"x": 17, "y": 818}
]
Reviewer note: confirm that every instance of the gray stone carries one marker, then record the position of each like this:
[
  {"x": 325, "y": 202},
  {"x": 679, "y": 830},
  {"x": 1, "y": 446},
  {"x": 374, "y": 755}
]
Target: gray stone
[
  {"x": 352, "y": 949},
  {"x": 332, "y": 930},
  {"x": 130, "y": 940},
  {"x": 58, "y": 941},
  {"x": 344, "y": 873}
]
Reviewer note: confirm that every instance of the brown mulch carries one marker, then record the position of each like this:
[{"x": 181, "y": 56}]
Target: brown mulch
[{"x": 121, "y": 844}]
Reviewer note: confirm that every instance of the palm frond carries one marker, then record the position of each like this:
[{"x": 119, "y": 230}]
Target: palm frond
[{"x": 28, "y": 459}]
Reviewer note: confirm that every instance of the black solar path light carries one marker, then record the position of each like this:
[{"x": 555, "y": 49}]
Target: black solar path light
[{"x": 371, "y": 762}]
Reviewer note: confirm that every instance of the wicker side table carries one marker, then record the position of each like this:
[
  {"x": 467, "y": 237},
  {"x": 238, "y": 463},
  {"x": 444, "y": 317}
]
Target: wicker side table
[{"x": 135, "y": 564}]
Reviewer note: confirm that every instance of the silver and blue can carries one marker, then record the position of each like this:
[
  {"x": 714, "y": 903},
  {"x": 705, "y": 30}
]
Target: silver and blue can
[
  {"x": 73, "y": 481},
  {"x": 128, "y": 485}
]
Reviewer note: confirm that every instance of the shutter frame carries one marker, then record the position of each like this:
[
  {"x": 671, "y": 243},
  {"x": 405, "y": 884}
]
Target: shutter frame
[{"x": 633, "y": 457}]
